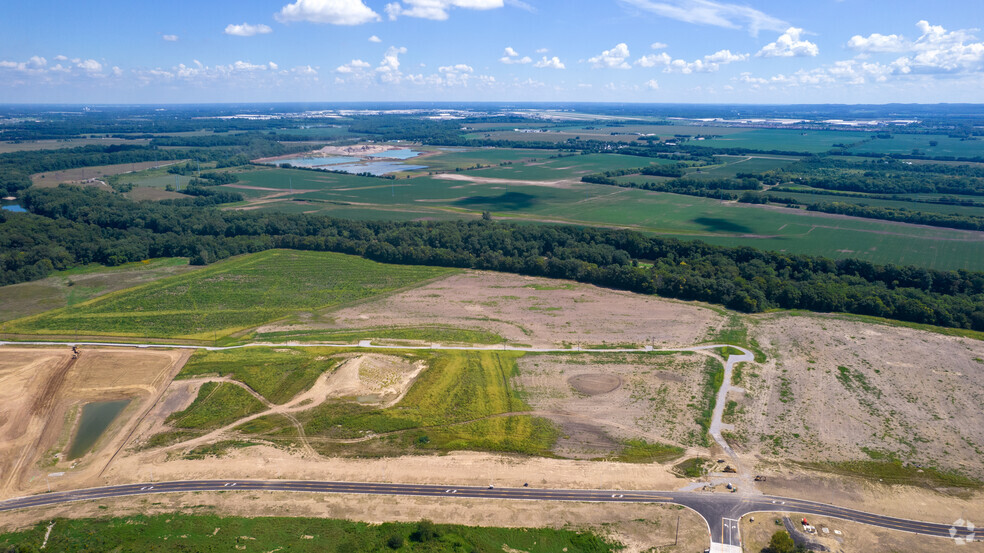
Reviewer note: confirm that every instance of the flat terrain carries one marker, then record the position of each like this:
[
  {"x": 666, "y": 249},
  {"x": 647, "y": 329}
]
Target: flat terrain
[
  {"x": 839, "y": 390},
  {"x": 549, "y": 190},
  {"x": 524, "y": 310},
  {"x": 229, "y": 296},
  {"x": 41, "y": 392},
  {"x": 32, "y": 145},
  {"x": 54, "y": 178}
]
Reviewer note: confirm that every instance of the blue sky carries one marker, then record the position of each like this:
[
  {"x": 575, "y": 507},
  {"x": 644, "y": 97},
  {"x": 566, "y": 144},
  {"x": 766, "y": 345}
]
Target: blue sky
[{"x": 715, "y": 51}]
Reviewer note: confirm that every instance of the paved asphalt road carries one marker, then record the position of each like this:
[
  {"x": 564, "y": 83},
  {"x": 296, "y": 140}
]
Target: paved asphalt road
[{"x": 714, "y": 507}]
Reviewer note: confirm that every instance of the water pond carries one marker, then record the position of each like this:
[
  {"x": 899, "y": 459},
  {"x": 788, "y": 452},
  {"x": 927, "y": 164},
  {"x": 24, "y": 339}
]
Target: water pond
[{"x": 96, "y": 418}]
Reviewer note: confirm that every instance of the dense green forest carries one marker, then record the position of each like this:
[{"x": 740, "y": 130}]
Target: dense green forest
[{"x": 69, "y": 226}]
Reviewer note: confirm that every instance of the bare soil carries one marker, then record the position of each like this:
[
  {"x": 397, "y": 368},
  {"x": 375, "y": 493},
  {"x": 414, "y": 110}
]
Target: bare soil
[
  {"x": 837, "y": 389},
  {"x": 41, "y": 387},
  {"x": 529, "y": 310},
  {"x": 600, "y": 400},
  {"x": 853, "y": 536}
]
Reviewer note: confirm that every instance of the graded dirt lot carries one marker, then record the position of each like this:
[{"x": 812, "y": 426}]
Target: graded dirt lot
[
  {"x": 601, "y": 399},
  {"x": 836, "y": 390},
  {"x": 41, "y": 393},
  {"x": 529, "y": 310}
]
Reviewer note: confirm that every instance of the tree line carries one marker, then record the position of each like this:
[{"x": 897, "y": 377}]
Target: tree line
[{"x": 69, "y": 226}]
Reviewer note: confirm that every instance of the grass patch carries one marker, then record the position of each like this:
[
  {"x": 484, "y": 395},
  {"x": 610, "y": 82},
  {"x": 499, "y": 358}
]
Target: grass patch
[
  {"x": 430, "y": 334},
  {"x": 691, "y": 468},
  {"x": 464, "y": 400},
  {"x": 186, "y": 532},
  {"x": 217, "y": 404},
  {"x": 217, "y": 449},
  {"x": 895, "y": 472},
  {"x": 230, "y": 296},
  {"x": 278, "y": 374},
  {"x": 641, "y": 451},
  {"x": 275, "y": 426},
  {"x": 735, "y": 333}
]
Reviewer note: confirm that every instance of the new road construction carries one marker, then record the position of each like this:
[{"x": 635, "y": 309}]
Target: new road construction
[{"x": 720, "y": 511}]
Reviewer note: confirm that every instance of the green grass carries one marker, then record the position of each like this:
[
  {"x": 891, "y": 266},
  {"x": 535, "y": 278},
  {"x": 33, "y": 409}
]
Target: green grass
[
  {"x": 735, "y": 333},
  {"x": 728, "y": 167},
  {"x": 217, "y": 449},
  {"x": 430, "y": 334},
  {"x": 73, "y": 286},
  {"x": 451, "y": 160},
  {"x": 207, "y": 532},
  {"x": 641, "y": 451},
  {"x": 278, "y": 374},
  {"x": 464, "y": 400},
  {"x": 692, "y": 468},
  {"x": 218, "y": 404},
  {"x": 229, "y": 296}
]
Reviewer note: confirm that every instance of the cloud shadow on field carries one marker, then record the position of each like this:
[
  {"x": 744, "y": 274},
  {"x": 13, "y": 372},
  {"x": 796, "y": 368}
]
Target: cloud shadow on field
[
  {"x": 508, "y": 201},
  {"x": 722, "y": 225}
]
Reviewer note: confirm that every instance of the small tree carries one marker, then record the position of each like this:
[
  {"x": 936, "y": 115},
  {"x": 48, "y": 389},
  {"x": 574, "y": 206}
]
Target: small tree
[
  {"x": 395, "y": 541},
  {"x": 781, "y": 542}
]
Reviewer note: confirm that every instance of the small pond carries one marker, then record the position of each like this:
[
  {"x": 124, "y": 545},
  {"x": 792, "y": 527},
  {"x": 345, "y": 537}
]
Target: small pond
[
  {"x": 96, "y": 418},
  {"x": 12, "y": 206}
]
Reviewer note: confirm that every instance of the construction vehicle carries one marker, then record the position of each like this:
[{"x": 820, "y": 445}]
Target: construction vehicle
[
  {"x": 729, "y": 468},
  {"x": 759, "y": 478}
]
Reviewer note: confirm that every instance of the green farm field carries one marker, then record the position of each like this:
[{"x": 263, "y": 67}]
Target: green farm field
[
  {"x": 229, "y": 296},
  {"x": 528, "y": 193},
  {"x": 874, "y": 202},
  {"x": 73, "y": 286},
  {"x": 789, "y": 140},
  {"x": 906, "y": 143},
  {"x": 208, "y": 532}
]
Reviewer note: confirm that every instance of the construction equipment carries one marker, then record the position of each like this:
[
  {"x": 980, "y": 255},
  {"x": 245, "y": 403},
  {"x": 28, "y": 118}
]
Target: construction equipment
[
  {"x": 729, "y": 468},
  {"x": 759, "y": 478}
]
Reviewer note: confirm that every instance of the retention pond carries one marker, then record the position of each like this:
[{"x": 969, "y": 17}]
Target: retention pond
[{"x": 96, "y": 418}]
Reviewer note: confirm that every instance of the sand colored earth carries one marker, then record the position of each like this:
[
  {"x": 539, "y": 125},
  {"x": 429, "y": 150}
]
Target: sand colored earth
[
  {"x": 529, "y": 310},
  {"x": 41, "y": 392},
  {"x": 853, "y": 536},
  {"x": 600, "y": 400},
  {"x": 836, "y": 388},
  {"x": 494, "y": 180}
]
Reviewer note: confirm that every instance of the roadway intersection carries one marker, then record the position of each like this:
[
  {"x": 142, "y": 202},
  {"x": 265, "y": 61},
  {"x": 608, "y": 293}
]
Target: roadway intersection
[{"x": 721, "y": 511}]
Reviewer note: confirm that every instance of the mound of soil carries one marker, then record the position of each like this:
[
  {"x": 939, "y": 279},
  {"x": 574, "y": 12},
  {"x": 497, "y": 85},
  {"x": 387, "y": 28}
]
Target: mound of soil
[{"x": 595, "y": 384}]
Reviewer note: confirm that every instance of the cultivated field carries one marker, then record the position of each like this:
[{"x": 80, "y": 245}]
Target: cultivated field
[
  {"x": 73, "y": 286},
  {"x": 229, "y": 296},
  {"x": 54, "y": 178},
  {"x": 551, "y": 191}
]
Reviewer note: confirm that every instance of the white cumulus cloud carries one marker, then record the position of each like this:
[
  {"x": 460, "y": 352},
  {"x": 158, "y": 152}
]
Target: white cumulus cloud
[
  {"x": 877, "y": 43},
  {"x": 334, "y": 12},
  {"x": 614, "y": 58},
  {"x": 375, "y": 38},
  {"x": 436, "y": 9},
  {"x": 550, "y": 63},
  {"x": 789, "y": 45},
  {"x": 708, "y": 64},
  {"x": 170, "y": 38},
  {"x": 352, "y": 66},
  {"x": 651, "y": 84},
  {"x": 245, "y": 29},
  {"x": 658, "y": 45},
  {"x": 510, "y": 55}
]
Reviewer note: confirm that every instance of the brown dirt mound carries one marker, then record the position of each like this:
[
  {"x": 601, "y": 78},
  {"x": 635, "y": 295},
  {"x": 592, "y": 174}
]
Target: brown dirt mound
[{"x": 595, "y": 384}]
